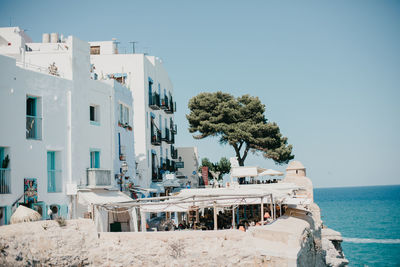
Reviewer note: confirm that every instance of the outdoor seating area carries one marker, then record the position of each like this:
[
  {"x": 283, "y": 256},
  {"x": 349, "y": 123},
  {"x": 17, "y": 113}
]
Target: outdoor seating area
[{"x": 233, "y": 207}]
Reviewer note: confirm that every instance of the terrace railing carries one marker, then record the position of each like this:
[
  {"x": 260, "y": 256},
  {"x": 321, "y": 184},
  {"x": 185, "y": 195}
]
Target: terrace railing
[
  {"x": 98, "y": 177},
  {"x": 154, "y": 101},
  {"x": 5, "y": 181}
]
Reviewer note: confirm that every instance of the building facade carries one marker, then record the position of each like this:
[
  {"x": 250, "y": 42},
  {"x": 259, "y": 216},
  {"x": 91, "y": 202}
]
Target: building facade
[
  {"x": 62, "y": 130},
  {"x": 188, "y": 171},
  {"x": 154, "y": 108}
]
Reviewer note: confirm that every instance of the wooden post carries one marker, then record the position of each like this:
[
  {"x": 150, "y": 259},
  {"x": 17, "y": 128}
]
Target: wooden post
[
  {"x": 262, "y": 211},
  {"x": 215, "y": 217},
  {"x": 143, "y": 220},
  {"x": 233, "y": 217},
  {"x": 280, "y": 210},
  {"x": 271, "y": 207}
]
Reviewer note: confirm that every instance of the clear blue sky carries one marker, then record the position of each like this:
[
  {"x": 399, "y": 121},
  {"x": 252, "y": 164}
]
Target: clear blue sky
[{"x": 327, "y": 71}]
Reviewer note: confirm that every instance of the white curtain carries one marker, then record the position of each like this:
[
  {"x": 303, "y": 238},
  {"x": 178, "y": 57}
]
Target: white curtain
[
  {"x": 133, "y": 222},
  {"x": 101, "y": 219}
]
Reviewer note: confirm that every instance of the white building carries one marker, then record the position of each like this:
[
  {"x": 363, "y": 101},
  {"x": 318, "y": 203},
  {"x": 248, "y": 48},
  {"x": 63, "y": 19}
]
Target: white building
[
  {"x": 154, "y": 108},
  {"x": 189, "y": 172},
  {"x": 60, "y": 130}
]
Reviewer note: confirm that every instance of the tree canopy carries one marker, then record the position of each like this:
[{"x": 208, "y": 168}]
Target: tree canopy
[
  {"x": 239, "y": 122},
  {"x": 222, "y": 167}
]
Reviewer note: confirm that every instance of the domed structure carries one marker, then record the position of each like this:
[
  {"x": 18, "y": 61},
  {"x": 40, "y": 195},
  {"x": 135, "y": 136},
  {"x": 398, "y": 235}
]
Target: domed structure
[
  {"x": 296, "y": 173},
  {"x": 296, "y": 168}
]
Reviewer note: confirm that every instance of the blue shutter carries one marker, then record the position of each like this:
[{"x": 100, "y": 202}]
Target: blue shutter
[
  {"x": 91, "y": 159},
  {"x": 1, "y": 156},
  {"x": 8, "y": 214},
  {"x": 64, "y": 211},
  {"x": 97, "y": 159}
]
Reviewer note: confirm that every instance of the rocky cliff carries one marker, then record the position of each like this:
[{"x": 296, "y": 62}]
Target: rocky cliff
[{"x": 296, "y": 240}]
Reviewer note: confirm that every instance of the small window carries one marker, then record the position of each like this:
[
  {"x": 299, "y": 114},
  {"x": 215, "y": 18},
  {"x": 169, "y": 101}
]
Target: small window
[
  {"x": 95, "y": 159},
  {"x": 33, "y": 118},
  {"x": 123, "y": 114},
  {"x": 94, "y": 114},
  {"x": 95, "y": 50}
]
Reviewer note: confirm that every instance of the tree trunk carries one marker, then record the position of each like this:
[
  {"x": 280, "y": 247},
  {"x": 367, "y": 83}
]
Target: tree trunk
[{"x": 241, "y": 159}]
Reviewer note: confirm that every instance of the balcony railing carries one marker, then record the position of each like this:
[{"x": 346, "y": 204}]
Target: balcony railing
[
  {"x": 98, "y": 177},
  {"x": 174, "y": 152},
  {"x": 154, "y": 101},
  {"x": 33, "y": 127},
  {"x": 156, "y": 138},
  {"x": 156, "y": 175},
  {"x": 172, "y": 107},
  {"x": 164, "y": 102},
  {"x": 166, "y": 135},
  {"x": 173, "y": 127},
  {"x": 54, "y": 181},
  {"x": 5, "y": 181},
  {"x": 172, "y": 139}
]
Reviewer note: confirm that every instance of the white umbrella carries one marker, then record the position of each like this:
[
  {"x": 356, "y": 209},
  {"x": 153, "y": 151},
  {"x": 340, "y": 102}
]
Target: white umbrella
[
  {"x": 24, "y": 214},
  {"x": 271, "y": 172}
]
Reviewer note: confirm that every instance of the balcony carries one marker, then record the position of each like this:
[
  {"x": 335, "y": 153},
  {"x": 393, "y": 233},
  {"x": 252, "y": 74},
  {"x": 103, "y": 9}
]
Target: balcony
[
  {"x": 174, "y": 152},
  {"x": 173, "y": 127},
  {"x": 156, "y": 175},
  {"x": 156, "y": 138},
  {"x": 164, "y": 102},
  {"x": 154, "y": 101},
  {"x": 166, "y": 135},
  {"x": 98, "y": 177},
  {"x": 5, "y": 181},
  {"x": 172, "y": 139},
  {"x": 33, "y": 127}
]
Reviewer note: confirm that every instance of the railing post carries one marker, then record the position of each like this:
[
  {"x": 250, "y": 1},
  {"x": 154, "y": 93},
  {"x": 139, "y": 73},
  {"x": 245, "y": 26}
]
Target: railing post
[{"x": 262, "y": 211}]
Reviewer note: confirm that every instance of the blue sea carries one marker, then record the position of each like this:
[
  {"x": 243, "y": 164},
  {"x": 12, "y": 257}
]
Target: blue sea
[{"x": 368, "y": 219}]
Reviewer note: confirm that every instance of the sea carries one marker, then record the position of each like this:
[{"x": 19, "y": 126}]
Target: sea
[{"x": 368, "y": 219}]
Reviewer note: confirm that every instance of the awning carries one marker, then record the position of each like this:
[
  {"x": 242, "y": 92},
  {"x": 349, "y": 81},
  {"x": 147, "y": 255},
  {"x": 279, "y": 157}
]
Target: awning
[
  {"x": 246, "y": 171},
  {"x": 270, "y": 172},
  {"x": 102, "y": 197},
  {"x": 158, "y": 186}
]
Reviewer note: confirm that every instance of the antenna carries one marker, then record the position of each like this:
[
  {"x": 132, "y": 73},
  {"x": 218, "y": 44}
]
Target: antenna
[{"x": 133, "y": 46}]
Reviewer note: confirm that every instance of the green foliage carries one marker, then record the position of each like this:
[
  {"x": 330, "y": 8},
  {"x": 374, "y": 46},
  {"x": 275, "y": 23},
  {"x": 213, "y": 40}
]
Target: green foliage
[
  {"x": 222, "y": 167},
  {"x": 239, "y": 122}
]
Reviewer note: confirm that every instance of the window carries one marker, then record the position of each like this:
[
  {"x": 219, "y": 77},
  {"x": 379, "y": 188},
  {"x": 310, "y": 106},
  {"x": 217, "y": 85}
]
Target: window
[
  {"x": 54, "y": 179},
  {"x": 95, "y": 50},
  {"x": 5, "y": 181},
  {"x": 94, "y": 114},
  {"x": 123, "y": 114},
  {"x": 95, "y": 159},
  {"x": 33, "y": 118}
]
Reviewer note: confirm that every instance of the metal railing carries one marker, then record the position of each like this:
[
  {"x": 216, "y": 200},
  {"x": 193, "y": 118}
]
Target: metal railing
[
  {"x": 156, "y": 175},
  {"x": 37, "y": 68},
  {"x": 98, "y": 177},
  {"x": 33, "y": 127},
  {"x": 154, "y": 101},
  {"x": 164, "y": 102},
  {"x": 54, "y": 181},
  {"x": 156, "y": 138},
  {"x": 5, "y": 181},
  {"x": 166, "y": 135},
  {"x": 174, "y": 152}
]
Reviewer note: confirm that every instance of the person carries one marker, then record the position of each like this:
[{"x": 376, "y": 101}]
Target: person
[{"x": 50, "y": 213}]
